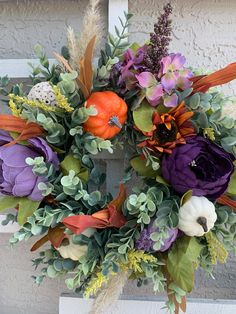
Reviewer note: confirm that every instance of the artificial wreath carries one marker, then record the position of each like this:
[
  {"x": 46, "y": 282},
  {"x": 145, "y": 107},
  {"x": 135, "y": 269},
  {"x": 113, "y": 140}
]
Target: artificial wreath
[{"x": 168, "y": 119}]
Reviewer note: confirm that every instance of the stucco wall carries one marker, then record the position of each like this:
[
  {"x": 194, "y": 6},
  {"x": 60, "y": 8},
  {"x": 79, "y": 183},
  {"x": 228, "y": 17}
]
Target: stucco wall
[
  {"x": 204, "y": 31},
  {"x": 23, "y": 23}
]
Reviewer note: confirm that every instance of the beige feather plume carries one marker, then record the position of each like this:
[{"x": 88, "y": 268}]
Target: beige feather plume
[
  {"x": 73, "y": 46},
  {"x": 109, "y": 295},
  {"x": 91, "y": 26}
]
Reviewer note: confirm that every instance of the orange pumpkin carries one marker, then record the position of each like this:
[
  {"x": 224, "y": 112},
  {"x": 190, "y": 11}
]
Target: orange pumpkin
[{"x": 111, "y": 114}]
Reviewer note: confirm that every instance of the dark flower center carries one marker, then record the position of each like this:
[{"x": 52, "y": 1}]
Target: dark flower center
[
  {"x": 204, "y": 168},
  {"x": 163, "y": 135}
]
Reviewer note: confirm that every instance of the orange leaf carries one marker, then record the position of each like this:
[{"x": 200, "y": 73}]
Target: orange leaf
[
  {"x": 119, "y": 200},
  {"x": 26, "y": 129},
  {"x": 222, "y": 76},
  {"x": 79, "y": 223},
  {"x": 63, "y": 61},
  {"x": 39, "y": 243},
  {"x": 225, "y": 200},
  {"x": 111, "y": 216},
  {"x": 183, "y": 304},
  {"x": 55, "y": 236},
  {"x": 102, "y": 215},
  {"x": 85, "y": 79},
  {"x": 68, "y": 68}
]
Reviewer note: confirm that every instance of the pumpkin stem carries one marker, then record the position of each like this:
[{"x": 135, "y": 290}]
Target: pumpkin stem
[
  {"x": 115, "y": 121},
  {"x": 203, "y": 222}
]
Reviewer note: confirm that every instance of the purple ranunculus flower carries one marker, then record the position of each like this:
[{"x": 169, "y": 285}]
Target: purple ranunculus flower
[
  {"x": 146, "y": 243},
  {"x": 200, "y": 166},
  {"x": 16, "y": 176}
]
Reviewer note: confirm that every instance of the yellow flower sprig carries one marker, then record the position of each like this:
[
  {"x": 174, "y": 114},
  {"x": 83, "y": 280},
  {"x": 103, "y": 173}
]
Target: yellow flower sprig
[
  {"x": 15, "y": 100},
  {"x": 15, "y": 111},
  {"x": 216, "y": 249},
  {"x": 61, "y": 103},
  {"x": 61, "y": 99},
  {"x": 95, "y": 284},
  {"x": 134, "y": 260},
  {"x": 209, "y": 133}
]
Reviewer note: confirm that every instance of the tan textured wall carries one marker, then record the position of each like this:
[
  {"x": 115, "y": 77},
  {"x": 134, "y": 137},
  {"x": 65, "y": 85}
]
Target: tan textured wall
[
  {"x": 23, "y": 23},
  {"x": 205, "y": 31}
]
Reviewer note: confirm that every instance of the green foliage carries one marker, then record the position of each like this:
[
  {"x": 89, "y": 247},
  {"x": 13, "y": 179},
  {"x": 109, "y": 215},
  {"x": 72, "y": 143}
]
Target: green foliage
[
  {"x": 158, "y": 237},
  {"x": 43, "y": 71},
  {"x": 38, "y": 165},
  {"x": 208, "y": 115},
  {"x": 232, "y": 185},
  {"x": 8, "y": 202},
  {"x": 143, "y": 117},
  {"x": 70, "y": 162},
  {"x": 144, "y": 205},
  {"x": 116, "y": 45},
  {"x": 80, "y": 115},
  {"x": 180, "y": 262},
  {"x": 225, "y": 226},
  {"x": 105, "y": 70},
  {"x": 26, "y": 208},
  {"x": 67, "y": 83},
  {"x": 56, "y": 132},
  {"x": 141, "y": 167},
  {"x": 4, "y": 82}
]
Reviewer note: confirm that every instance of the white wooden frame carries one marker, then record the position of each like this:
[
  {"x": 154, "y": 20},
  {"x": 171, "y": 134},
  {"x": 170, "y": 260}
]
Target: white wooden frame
[{"x": 70, "y": 304}]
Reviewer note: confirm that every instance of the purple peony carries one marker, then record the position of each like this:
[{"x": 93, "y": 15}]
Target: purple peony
[
  {"x": 146, "y": 243},
  {"x": 16, "y": 176},
  {"x": 200, "y": 166}
]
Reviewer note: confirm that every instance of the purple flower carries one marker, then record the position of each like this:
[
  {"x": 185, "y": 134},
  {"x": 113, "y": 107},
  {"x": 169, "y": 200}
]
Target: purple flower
[
  {"x": 200, "y": 166},
  {"x": 153, "y": 90},
  {"x": 16, "y": 176},
  {"x": 146, "y": 243},
  {"x": 127, "y": 69},
  {"x": 173, "y": 74}
]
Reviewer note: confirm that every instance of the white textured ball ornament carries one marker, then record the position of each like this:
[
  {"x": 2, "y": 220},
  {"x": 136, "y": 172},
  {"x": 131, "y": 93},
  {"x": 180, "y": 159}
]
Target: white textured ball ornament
[
  {"x": 75, "y": 251},
  {"x": 43, "y": 92},
  {"x": 197, "y": 216}
]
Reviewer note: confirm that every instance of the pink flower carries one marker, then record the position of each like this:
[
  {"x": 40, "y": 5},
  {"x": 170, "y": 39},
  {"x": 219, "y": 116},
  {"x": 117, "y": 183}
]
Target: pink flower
[
  {"x": 153, "y": 90},
  {"x": 173, "y": 75}
]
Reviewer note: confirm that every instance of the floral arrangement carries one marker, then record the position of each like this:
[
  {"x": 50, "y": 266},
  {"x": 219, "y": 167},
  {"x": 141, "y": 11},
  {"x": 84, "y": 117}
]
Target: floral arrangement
[{"x": 181, "y": 215}]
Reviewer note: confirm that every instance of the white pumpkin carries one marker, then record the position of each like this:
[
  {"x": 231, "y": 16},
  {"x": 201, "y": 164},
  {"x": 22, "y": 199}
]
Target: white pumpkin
[
  {"x": 43, "y": 92},
  {"x": 197, "y": 216},
  {"x": 75, "y": 251}
]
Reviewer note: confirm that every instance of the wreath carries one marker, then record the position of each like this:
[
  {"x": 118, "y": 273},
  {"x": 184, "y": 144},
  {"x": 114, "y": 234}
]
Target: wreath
[{"x": 181, "y": 214}]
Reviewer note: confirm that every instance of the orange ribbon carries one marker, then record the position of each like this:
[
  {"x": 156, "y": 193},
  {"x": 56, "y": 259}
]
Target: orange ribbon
[
  {"x": 203, "y": 82},
  {"x": 25, "y": 129},
  {"x": 110, "y": 216},
  {"x": 225, "y": 200}
]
